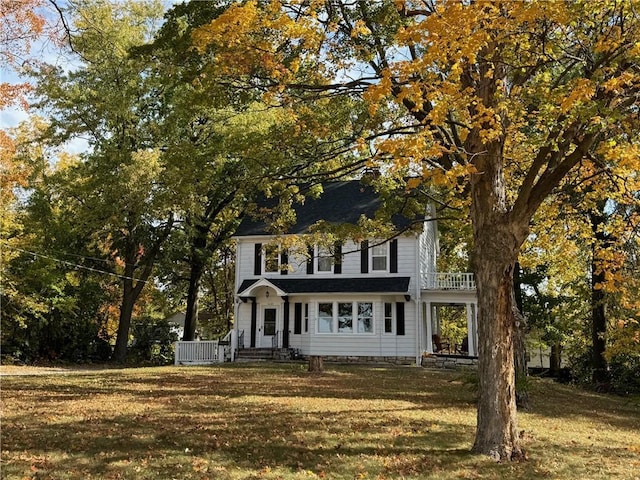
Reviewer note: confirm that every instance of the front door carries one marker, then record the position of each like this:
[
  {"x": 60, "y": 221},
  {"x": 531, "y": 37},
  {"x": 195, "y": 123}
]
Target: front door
[{"x": 269, "y": 327}]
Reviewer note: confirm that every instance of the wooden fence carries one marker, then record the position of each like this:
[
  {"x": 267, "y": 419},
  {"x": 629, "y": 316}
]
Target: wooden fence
[{"x": 198, "y": 352}]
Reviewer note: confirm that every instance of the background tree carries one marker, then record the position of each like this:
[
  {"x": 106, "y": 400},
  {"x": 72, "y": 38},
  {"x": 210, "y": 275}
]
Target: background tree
[
  {"x": 225, "y": 147},
  {"x": 110, "y": 100},
  {"x": 45, "y": 295}
]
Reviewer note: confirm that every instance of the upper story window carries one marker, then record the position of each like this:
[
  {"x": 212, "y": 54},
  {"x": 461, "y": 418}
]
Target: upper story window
[
  {"x": 379, "y": 258},
  {"x": 325, "y": 260},
  {"x": 379, "y": 254},
  {"x": 271, "y": 259}
]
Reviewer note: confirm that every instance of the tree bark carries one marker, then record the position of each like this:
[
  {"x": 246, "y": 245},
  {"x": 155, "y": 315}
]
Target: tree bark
[
  {"x": 316, "y": 364},
  {"x": 196, "y": 264},
  {"x": 600, "y": 372},
  {"x": 555, "y": 359},
  {"x": 131, "y": 290},
  {"x": 520, "y": 344},
  {"x": 124, "y": 322},
  {"x": 498, "y": 236},
  {"x": 497, "y": 430}
]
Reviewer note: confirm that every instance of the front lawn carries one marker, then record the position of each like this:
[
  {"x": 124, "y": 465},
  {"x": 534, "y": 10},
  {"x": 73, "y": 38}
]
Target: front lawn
[{"x": 278, "y": 421}]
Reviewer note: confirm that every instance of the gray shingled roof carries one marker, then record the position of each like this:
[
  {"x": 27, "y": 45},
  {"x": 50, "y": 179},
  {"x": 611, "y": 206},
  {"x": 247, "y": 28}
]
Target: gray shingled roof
[
  {"x": 399, "y": 285},
  {"x": 340, "y": 202}
]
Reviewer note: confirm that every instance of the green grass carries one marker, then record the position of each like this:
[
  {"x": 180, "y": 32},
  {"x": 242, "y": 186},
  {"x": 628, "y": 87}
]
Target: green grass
[{"x": 277, "y": 421}]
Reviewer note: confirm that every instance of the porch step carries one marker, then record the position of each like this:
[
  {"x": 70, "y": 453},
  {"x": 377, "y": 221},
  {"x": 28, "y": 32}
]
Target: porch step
[
  {"x": 251, "y": 354},
  {"x": 255, "y": 354}
]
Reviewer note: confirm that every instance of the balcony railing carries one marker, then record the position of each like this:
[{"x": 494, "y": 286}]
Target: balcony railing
[{"x": 448, "y": 281}]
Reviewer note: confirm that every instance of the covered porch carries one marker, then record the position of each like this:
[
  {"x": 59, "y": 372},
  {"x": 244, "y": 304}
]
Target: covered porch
[{"x": 449, "y": 315}]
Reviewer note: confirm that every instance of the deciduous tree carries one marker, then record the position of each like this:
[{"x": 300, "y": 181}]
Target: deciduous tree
[{"x": 502, "y": 99}]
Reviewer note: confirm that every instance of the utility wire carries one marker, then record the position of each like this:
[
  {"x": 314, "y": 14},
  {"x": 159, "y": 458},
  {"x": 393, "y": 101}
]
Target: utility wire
[{"x": 70, "y": 264}]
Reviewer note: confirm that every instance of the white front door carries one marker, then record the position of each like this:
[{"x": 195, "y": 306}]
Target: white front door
[{"x": 269, "y": 327}]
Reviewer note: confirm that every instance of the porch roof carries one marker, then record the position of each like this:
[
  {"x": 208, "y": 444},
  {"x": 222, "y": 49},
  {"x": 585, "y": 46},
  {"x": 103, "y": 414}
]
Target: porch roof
[{"x": 396, "y": 285}]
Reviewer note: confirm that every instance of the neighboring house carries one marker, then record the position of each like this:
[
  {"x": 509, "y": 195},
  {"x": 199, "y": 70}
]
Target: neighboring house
[
  {"x": 176, "y": 321},
  {"x": 374, "y": 300}
]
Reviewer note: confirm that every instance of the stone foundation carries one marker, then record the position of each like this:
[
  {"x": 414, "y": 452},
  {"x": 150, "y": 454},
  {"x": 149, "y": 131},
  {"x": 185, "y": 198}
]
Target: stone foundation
[
  {"x": 368, "y": 359},
  {"x": 450, "y": 362}
]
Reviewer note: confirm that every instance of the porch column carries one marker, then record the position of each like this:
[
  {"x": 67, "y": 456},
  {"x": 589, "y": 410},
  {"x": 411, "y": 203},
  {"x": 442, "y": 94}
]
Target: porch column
[
  {"x": 285, "y": 326},
  {"x": 428, "y": 315},
  {"x": 254, "y": 321},
  {"x": 471, "y": 329}
]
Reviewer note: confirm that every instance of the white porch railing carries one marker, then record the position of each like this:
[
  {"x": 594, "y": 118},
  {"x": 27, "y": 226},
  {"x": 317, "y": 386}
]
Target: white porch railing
[
  {"x": 198, "y": 352},
  {"x": 448, "y": 281}
]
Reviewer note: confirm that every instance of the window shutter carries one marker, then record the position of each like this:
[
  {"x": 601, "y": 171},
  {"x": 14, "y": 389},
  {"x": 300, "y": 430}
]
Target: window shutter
[
  {"x": 257, "y": 259},
  {"x": 337, "y": 258},
  {"x": 399, "y": 318},
  {"x": 284, "y": 261},
  {"x": 310, "y": 254},
  {"x": 364, "y": 257},
  {"x": 393, "y": 262},
  {"x": 297, "y": 318}
]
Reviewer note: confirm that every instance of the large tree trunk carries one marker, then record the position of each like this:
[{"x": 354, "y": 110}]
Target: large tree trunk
[
  {"x": 198, "y": 256},
  {"x": 195, "y": 280},
  {"x": 124, "y": 322},
  {"x": 131, "y": 291},
  {"x": 497, "y": 429},
  {"x": 498, "y": 237}
]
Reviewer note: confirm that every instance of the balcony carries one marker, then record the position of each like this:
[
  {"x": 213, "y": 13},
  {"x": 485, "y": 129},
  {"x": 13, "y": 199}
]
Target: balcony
[{"x": 448, "y": 281}]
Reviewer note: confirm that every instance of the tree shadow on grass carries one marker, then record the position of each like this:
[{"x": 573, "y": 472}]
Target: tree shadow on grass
[{"x": 391, "y": 422}]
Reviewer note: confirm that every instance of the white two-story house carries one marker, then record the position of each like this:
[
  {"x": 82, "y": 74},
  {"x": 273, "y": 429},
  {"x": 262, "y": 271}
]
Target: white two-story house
[{"x": 372, "y": 300}]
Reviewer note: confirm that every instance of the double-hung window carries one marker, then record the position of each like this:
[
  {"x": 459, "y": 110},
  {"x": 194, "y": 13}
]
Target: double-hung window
[
  {"x": 388, "y": 317},
  {"x": 325, "y": 317},
  {"x": 379, "y": 255},
  {"x": 325, "y": 260},
  {"x": 345, "y": 317},
  {"x": 365, "y": 317},
  {"x": 275, "y": 259},
  {"x": 271, "y": 259}
]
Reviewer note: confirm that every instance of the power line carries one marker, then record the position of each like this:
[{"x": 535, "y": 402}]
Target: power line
[{"x": 70, "y": 264}]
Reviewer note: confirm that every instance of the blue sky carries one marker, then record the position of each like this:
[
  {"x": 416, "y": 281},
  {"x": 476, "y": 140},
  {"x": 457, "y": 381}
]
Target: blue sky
[{"x": 47, "y": 52}]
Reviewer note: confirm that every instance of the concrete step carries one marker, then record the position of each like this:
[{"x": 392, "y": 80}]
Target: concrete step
[{"x": 255, "y": 353}]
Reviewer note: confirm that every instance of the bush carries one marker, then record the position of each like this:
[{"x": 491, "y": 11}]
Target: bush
[
  {"x": 625, "y": 373},
  {"x": 153, "y": 342}
]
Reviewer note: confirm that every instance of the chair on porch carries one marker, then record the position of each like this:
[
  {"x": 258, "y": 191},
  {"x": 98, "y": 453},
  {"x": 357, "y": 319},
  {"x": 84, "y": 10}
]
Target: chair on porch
[
  {"x": 438, "y": 344},
  {"x": 463, "y": 348}
]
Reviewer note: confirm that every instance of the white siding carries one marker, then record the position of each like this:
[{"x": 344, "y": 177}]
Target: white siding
[
  {"x": 378, "y": 343},
  {"x": 429, "y": 247}
]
